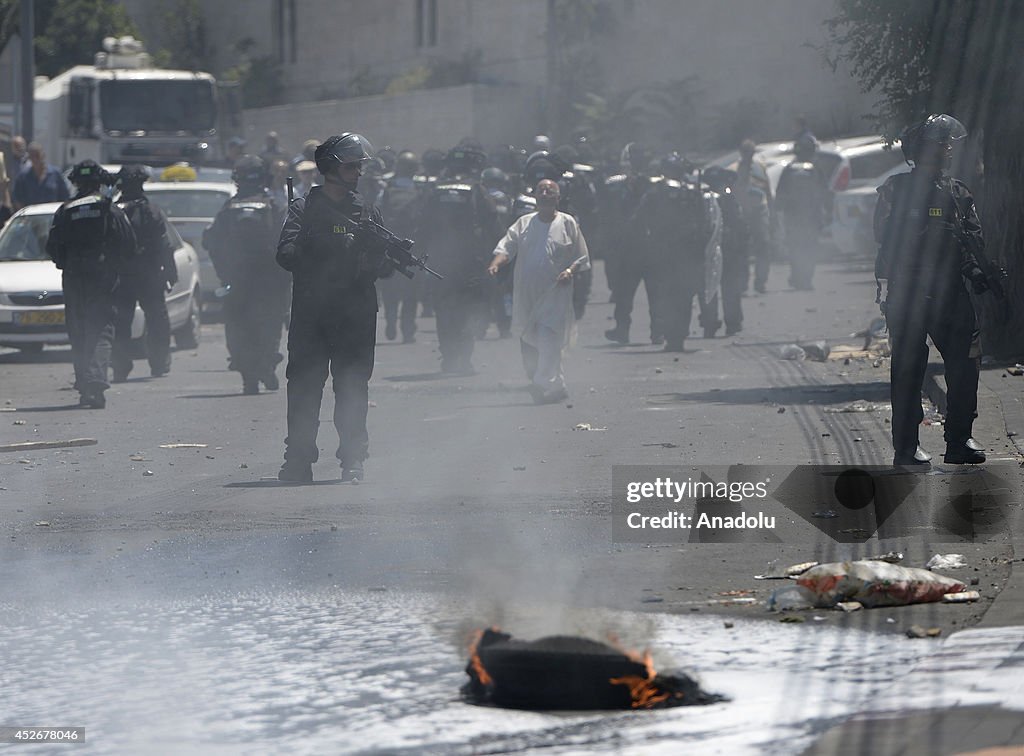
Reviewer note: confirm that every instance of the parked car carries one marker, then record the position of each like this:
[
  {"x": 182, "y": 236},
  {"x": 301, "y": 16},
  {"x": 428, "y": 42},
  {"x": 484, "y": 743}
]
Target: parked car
[
  {"x": 854, "y": 207},
  {"x": 191, "y": 207},
  {"x": 32, "y": 296}
]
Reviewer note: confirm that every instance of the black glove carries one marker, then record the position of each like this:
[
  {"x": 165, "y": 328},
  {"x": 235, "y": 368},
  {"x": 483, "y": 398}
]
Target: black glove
[{"x": 977, "y": 277}]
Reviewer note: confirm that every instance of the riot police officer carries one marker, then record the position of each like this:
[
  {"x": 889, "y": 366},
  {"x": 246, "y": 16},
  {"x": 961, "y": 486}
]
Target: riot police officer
[
  {"x": 241, "y": 244},
  {"x": 90, "y": 241},
  {"x": 458, "y": 226},
  {"x": 495, "y": 182},
  {"x": 921, "y": 223},
  {"x": 735, "y": 246},
  {"x": 802, "y": 198},
  {"x": 625, "y": 265},
  {"x": 400, "y": 203},
  {"x": 334, "y": 310},
  {"x": 144, "y": 279},
  {"x": 683, "y": 219}
]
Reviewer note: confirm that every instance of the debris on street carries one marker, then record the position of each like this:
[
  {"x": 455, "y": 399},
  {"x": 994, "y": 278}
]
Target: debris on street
[
  {"x": 570, "y": 673},
  {"x": 892, "y": 557},
  {"x": 816, "y": 350},
  {"x": 961, "y": 597},
  {"x": 792, "y": 352},
  {"x": 861, "y": 405},
  {"x": 183, "y": 446},
  {"x": 946, "y": 562},
  {"x": 875, "y": 584},
  {"x": 916, "y": 631},
  {"x": 849, "y": 606},
  {"x": 1017, "y": 369},
  {"x": 587, "y": 427},
  {"x": 30, "y": 445},
  {"x": 43, "y": 524}
]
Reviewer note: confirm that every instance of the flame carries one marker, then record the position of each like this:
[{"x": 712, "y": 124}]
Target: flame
[
  {"x": 474, "y": 658},
  {"x": 642, "y": 689}
]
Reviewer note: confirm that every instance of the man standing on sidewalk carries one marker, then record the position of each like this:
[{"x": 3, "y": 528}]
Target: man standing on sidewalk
[
  {"x": 549, "y": 249},
  {"x": 924, "y": 268}
]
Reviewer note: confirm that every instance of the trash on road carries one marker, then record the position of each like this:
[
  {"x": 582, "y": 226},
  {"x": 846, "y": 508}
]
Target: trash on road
[
  {"x": 147, "y": 474},
  {"x": 20, "y": 422},
  {"x": 849, "y": 606},
  {"x": 789, "y": 598},
  {"x": 792, "y": 618},
  {"x": 816, "y": 350},
  {"x": 792, "y": 352},
  {"x": 916, "y": 631},
  {"x": 825, "y": 514},
  {"x": 946, "y": 562},
  {"x": 1017, "y": 369},
  {"x": 799, "y": 569},
  {"x": 43, "y": 524},
  {"x": 861, "y": 405},
  {"x": 183, "y": 446},
  {"x": 663, "y": 445},
  {"x": 892, "y": 557},
  {"x": 773, "y": 573},
  {"x": 587, "y": 427},
  {"x": 875, "y": 584},
  {"x": 961, "y": 597},
  {"x": 30, "y": 445}
]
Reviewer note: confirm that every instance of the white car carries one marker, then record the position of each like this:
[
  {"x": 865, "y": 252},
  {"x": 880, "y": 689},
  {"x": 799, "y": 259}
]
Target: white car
[
  {"x": 191, "y": 207},
  {"x": 854, "y": 207},
  {"x": 32, "y": 296}
]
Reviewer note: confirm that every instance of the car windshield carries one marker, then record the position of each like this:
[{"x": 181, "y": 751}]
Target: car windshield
[
  {"x": 188, "y": 203},
  {"x": 24, "y": 238},
  {"x": 158, "y": 105},
  {"x": 874, "y": 164}
]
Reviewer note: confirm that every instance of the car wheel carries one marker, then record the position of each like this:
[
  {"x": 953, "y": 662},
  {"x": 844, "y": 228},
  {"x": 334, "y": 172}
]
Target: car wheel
[{"x": 187, "y": 337}]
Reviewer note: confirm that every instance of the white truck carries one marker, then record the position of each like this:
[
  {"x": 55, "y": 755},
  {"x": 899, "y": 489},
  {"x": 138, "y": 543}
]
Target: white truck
[{"x": 124, "y": 110}]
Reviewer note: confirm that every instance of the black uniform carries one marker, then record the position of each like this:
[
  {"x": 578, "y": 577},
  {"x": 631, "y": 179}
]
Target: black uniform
[
  {"x": 924, "y": 263},
  {"x": 803, "y": 198},
  {"x": 90, "y": 241},
  {"x": 143, "y": 281},
  {"x": 627, "y": 257},
  {"x": 241, "y": 242},
  {"x": 401, "y": 203},
  {"x": 500, "y": 289},
  {"x": 677, "y": 222},
  {"x": 735, "y": 259},
  {"x": 458, "y": 227},
  {"x": 334, "y": 322}
]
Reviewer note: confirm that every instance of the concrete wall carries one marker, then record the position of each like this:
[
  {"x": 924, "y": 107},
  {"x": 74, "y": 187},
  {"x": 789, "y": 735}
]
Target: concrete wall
[{"x": 415, "y": 120}]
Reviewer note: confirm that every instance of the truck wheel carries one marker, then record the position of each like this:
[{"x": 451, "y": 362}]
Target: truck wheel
[{"x": 187, "y": 337}]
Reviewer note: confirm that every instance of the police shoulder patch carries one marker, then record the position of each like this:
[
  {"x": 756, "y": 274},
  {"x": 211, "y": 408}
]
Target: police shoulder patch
[{"x": 935, "y": 212}]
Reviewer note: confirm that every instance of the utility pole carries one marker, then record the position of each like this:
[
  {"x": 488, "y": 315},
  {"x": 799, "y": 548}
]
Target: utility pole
[
  {"x": 28, "y": 69},
  {"x": 551, "y": 85}
]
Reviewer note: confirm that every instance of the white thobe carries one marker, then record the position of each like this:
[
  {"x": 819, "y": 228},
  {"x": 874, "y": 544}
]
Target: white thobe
[{"x": 542, "y": 312}]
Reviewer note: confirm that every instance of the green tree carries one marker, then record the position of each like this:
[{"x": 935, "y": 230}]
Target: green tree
[
  {"x": 184, "y": 42},
  {"x": 962, "y": 57},
  {"x": 68, "y": 32}
]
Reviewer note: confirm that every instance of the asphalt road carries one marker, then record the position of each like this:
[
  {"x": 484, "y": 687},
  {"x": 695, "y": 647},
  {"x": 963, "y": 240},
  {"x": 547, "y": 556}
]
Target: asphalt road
[{"x": 471, "y": 489}]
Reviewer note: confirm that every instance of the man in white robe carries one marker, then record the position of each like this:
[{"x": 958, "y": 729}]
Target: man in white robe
[{"x": 548, "y": 248}]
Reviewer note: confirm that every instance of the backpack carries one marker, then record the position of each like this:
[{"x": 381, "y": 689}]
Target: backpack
[
  {"x": 87, "y": 225},
  {"x": 251, "y": 226}
]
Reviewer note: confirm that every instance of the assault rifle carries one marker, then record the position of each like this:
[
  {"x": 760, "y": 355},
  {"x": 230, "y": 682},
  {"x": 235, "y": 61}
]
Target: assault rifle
[
  {"x": 994, "y": 275},
  {"x": 395, "y": 249}
]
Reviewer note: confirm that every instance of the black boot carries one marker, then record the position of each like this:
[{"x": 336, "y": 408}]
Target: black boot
[
  {"x": 964, "y": 453},
  {"x": 907, "y": 458},
  {"x": 617, "y": 335},
  {"x": 295, "y": 472}
]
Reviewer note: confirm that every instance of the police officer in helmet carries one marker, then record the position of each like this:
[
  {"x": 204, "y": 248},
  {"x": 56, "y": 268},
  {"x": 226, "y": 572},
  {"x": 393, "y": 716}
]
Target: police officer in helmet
[
  {"x": 242, "y": 243},
  {"x": 90, "y": 240},
  {"x": 923, "y": 271},
  {"x": 334, "y": 309},
  {"x": 144, "y": 279}
]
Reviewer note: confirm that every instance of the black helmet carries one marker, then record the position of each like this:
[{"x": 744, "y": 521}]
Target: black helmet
[
  {"x": 249, "y": 169},
  {"x": 719, "y": 178},
  {"x": 936, "y": 129},
  {"x": 132, "y": 174},
  {"x": 88, "y": 174},
  {"x": 386, "y": 155},
  {"x": 406, "y": 164},
  {"x": 634, "y": 155},
  {"x": 467, "y": 159},
  {"x": 544, "y": 165},
  {"x": 493, "y": 178},
  {"x": 674, "y": 166},
  {"x": 341, "y": 150},
  {"x": 433, "y": 161},
  {"x": 805, "y": 146}
]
